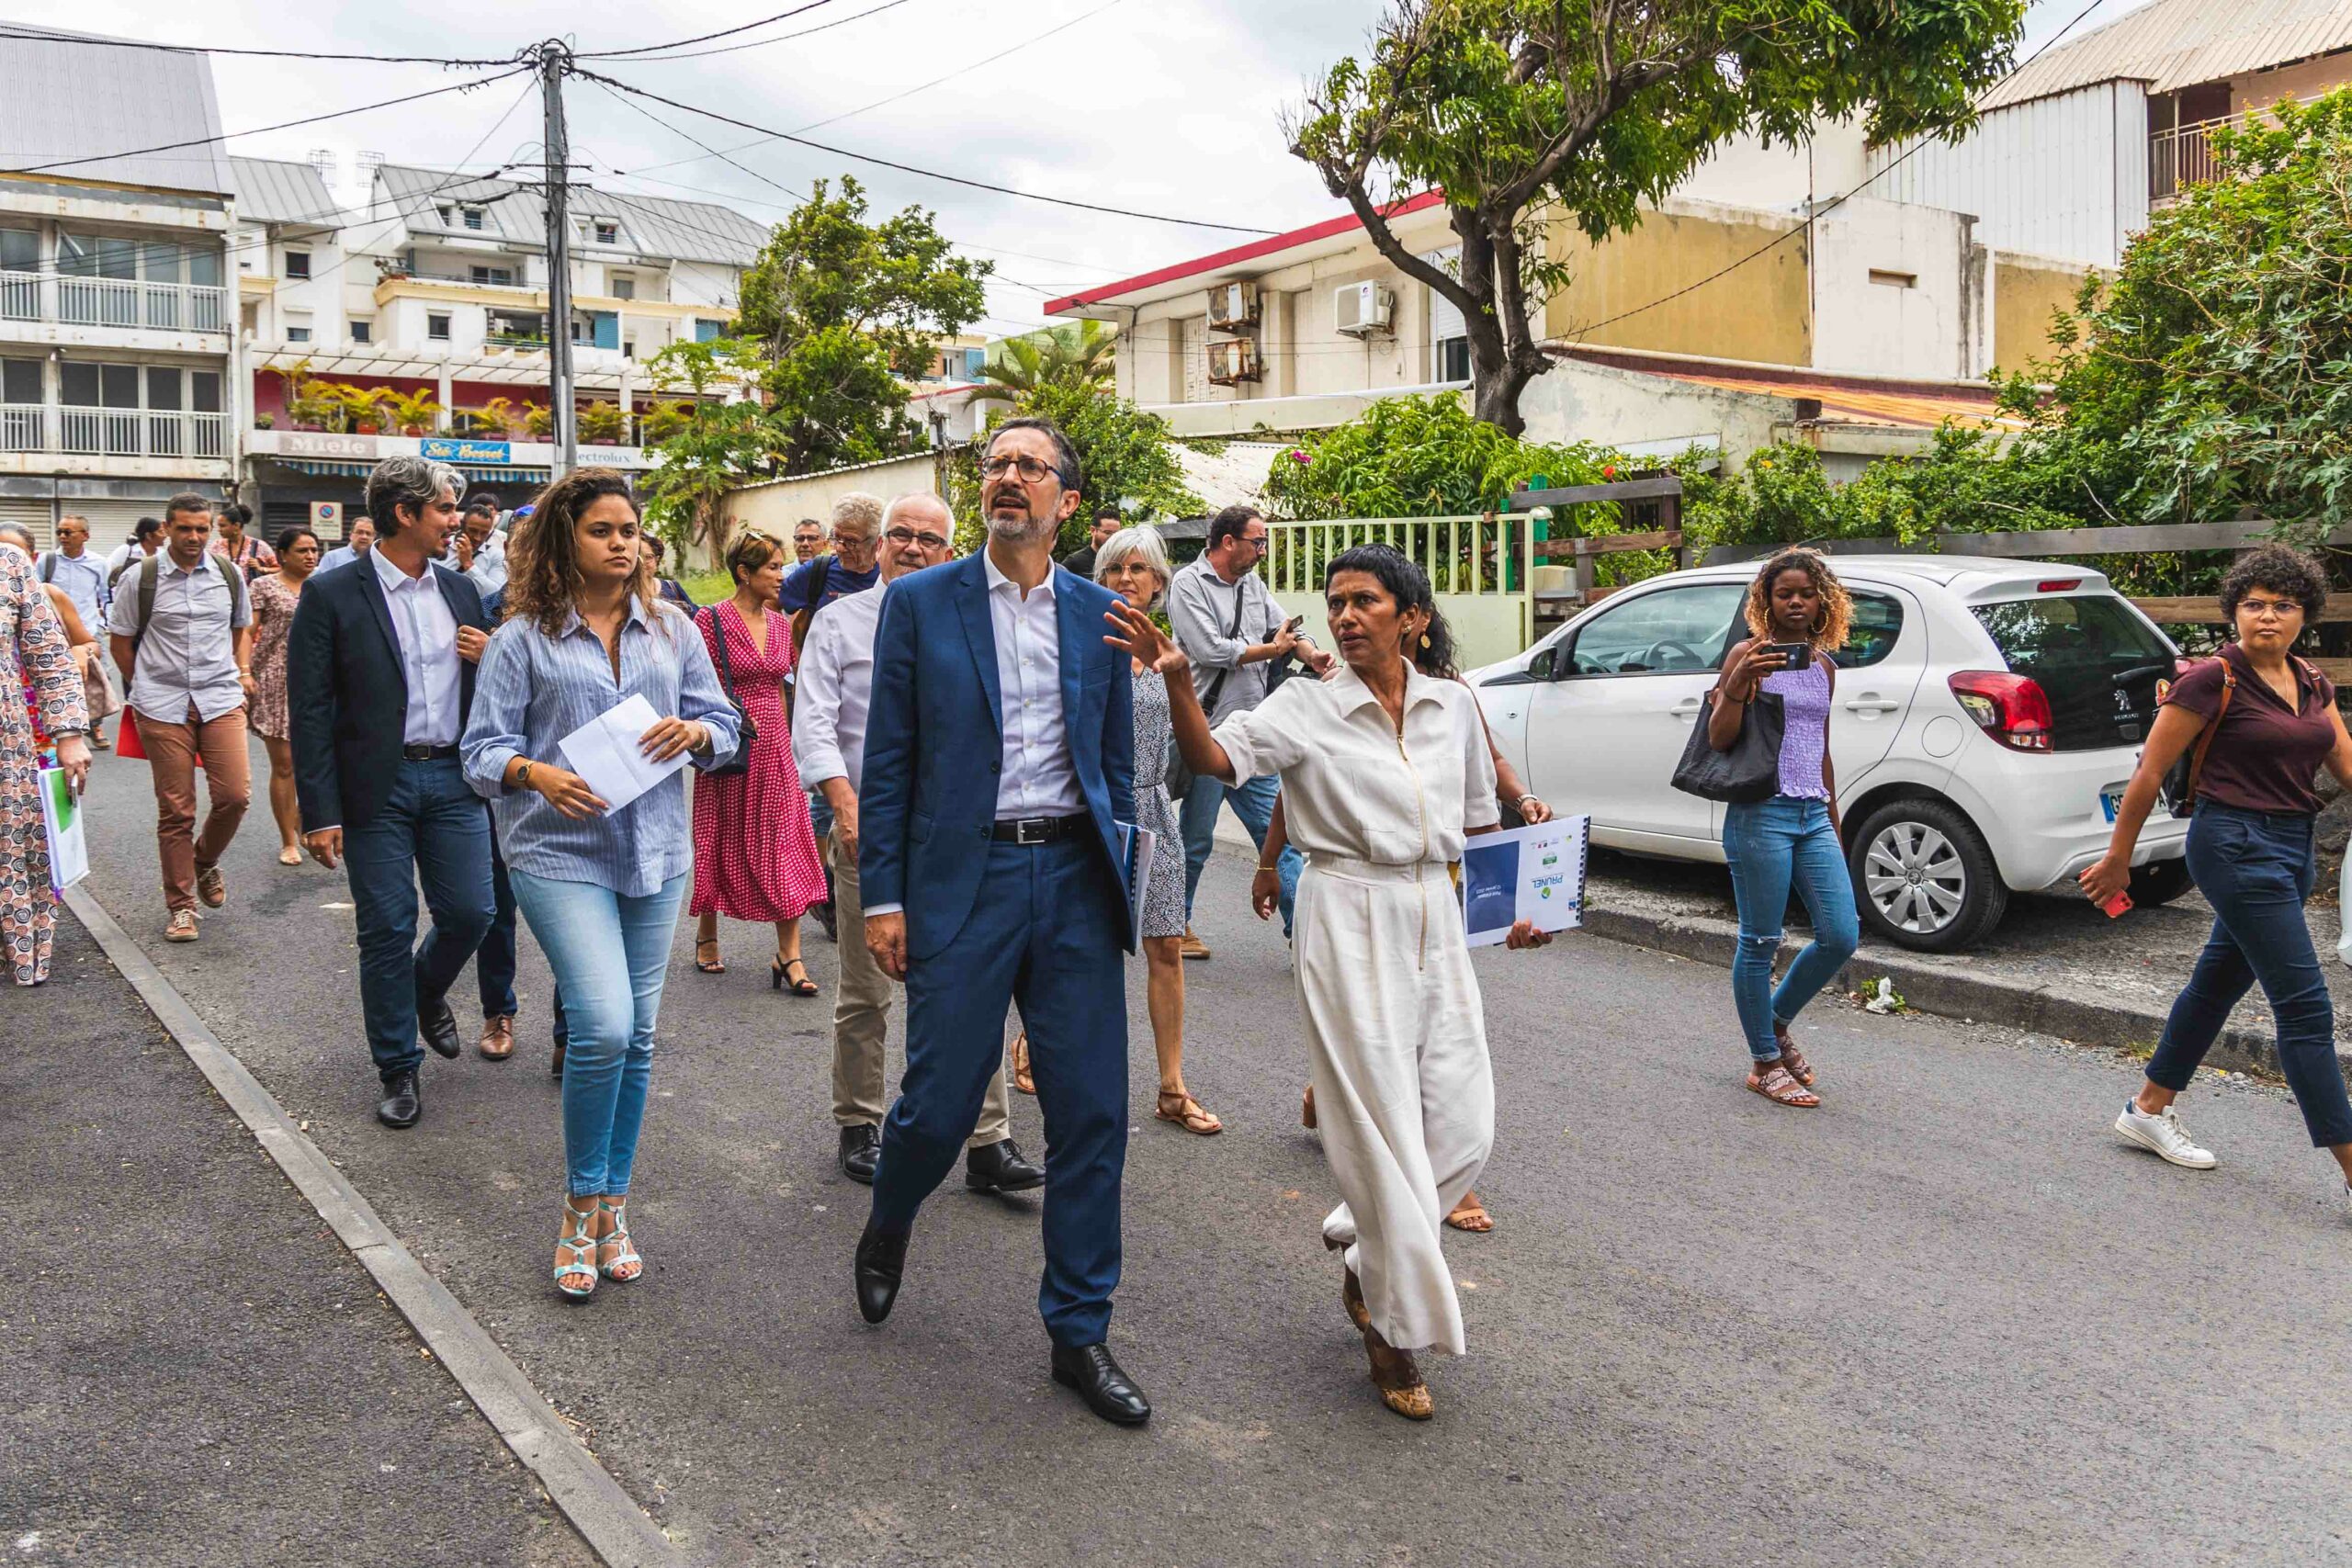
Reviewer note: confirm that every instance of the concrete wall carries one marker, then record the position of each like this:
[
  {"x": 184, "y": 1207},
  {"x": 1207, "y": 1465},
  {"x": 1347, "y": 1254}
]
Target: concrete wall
[
  {"x": 1600, "y": 403},
  {"x": 2026, "y": 290},
  {"x": 1900, "y": 291},
  {"x": 775, "y": 506},
  {"x": 1762, "y": 314},
  {"x": 1743, "y": 171}
]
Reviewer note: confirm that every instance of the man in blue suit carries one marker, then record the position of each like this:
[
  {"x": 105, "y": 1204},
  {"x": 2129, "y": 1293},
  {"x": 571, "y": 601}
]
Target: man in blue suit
[
  {"x": 999, "y": 799},
  {"x": 379, "y": 679}
]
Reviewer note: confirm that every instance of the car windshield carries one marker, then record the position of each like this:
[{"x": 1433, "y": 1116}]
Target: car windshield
[{"x": 2097, "y": 661}]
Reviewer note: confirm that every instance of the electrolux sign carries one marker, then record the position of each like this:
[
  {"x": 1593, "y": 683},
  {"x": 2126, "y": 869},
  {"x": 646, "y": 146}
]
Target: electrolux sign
[{"x": 445, "y": 450}]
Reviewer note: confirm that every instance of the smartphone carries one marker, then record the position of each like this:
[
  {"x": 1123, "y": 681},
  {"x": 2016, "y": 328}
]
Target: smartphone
[
  {"x": 2117, "y": 904},
  {"x": 1292, "y": 624},
  {"x": 1794, "y": 655}
]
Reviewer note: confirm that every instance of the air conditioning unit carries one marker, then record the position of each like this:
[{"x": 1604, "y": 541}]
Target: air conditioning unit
[
  {"x": 1233, "y": 362},
  {"x": 1364, "y": 310},
  {"x": 1233, "y": 307}
]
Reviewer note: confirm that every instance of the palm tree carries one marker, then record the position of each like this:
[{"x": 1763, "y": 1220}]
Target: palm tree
[{"x": 1077, "y": 355}]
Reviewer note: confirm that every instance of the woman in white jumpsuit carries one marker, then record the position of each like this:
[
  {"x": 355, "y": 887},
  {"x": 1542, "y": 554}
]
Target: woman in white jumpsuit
[{"x": 1383, "y": 770}]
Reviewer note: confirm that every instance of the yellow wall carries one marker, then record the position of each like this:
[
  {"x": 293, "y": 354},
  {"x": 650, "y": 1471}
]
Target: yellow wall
[
  {"x": 2026, "y": 289},
  {"x": 1765, "y": 315}
]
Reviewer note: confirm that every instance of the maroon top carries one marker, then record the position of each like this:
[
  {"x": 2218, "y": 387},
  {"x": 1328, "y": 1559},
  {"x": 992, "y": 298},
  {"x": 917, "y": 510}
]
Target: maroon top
[{"x": 2265, "y": 756}]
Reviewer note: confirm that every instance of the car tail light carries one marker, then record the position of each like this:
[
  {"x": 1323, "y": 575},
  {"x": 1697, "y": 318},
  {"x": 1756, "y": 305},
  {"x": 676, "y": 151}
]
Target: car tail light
[
  {"x": 2012, "y": 709},
  {"x": 2059, "y": 585}
]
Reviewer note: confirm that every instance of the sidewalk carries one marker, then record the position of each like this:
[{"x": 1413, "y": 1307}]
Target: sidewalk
[{"x": 200, "y": 1372}]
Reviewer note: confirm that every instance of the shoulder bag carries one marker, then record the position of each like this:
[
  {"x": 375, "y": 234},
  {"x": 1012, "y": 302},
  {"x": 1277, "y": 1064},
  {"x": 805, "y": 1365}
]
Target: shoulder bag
[
  {"x": 746, "y": 731},
  {"x": 1750, "y": 770}
]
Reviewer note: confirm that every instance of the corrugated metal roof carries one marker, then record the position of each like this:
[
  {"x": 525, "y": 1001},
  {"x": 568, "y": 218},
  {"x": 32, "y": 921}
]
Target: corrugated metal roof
[
  {"x": 2171, "y": 44},
  {"x": 270, "y": 191},
  {"x": 102, "y": 100},
  {"x": 649, "y": 225}
]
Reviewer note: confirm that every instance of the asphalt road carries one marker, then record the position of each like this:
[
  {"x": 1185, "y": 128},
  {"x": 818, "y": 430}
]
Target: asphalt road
[
  {"x": 198, "y": 1371},
  {"x": 1945, "y": 1319}
]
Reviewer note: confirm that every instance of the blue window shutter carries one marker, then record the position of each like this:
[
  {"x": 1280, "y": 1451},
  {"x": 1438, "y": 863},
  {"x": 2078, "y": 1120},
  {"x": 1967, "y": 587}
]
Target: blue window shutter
[
  {"x": 706, "y": 330},
  {"x": 608, "y": 328}
]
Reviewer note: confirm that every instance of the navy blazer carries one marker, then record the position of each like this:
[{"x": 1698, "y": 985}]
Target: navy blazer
[
  {"x": 346, "y": 691},
  {"x": 935, "y": 744}
]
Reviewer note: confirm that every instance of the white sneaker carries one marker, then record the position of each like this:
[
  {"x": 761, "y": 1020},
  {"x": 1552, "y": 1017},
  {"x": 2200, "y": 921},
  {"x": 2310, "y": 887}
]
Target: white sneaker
[{"x": 2164, "y": 1136}]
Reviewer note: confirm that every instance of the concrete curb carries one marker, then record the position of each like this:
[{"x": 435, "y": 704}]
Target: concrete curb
[
  {"x": 606, "y": 1516},
  {"x": 1982, "y": 1000}
]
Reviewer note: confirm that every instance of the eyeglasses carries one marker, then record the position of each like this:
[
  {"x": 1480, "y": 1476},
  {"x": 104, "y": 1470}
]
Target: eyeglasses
[
  {"x": 1030, "y": 468},
  {"x": 852, "y": 541},
  {"x": 2258, "y": 608},
  {"x": 1255, "y": 541},
  {"x": 902, "y": 537}
]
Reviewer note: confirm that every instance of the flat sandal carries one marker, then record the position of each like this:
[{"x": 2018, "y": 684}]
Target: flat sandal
[{"x": 1774, "y": 1084}]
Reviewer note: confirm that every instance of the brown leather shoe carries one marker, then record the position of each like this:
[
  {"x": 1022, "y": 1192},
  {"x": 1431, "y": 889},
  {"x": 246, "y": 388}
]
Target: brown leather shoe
[
  {"x": 497, "y": 1040},
  {"x": 1193, "y": 947},
  {"x": 212, "y": 886}
]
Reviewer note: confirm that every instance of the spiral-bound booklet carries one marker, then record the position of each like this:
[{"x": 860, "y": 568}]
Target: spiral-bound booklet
[{"x": 1524, "y": 873}]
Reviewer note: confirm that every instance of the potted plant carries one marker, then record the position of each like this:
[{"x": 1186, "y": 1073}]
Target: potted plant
[
  {"x": 667, "y": 420},
  {"x": 602, "y": 424},
  {"x": 538, "y": 420},
  {"x": 265, "y": 420},
  {"x": 412, "y": 414},
  {"x": 494, "y": 417}
]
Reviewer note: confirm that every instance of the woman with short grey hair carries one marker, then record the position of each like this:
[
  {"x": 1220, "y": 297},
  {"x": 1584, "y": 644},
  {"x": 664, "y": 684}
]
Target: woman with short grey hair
[{"x": 1133, "y": 563}]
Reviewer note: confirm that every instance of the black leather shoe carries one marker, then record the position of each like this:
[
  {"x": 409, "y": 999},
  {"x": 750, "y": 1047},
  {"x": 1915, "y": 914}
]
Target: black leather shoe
[
  {"x": 438, "y": 1026},
  {"x": 998, "y": 1168},
  {"x": 1107, "y": 1390},
  {"x": 881, "y": 1260},
  {"x": 861, "y": 1151},
  {"x": 400, "y": 1105},
  {"x": 823, "y": 910}
]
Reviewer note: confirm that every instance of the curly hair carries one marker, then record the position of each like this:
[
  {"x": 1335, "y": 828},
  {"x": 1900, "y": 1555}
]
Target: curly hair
[
  {"x": 2286, "y": 572},
  {"x": 543, "y": 579},
  {"x": 1837, "y": 604}
]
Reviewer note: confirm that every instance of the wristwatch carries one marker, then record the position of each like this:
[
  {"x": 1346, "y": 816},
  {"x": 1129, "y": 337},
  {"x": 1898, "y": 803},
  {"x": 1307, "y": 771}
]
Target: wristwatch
[{"x": 523, "y": 774}]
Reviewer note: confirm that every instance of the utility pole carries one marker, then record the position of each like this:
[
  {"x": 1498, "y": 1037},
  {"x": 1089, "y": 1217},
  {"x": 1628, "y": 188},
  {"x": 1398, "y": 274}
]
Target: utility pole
[{"x": 555, "y": 60}]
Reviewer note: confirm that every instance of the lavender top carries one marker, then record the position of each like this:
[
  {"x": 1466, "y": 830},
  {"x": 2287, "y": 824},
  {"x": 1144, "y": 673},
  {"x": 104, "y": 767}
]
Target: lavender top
[{"x": 1804, "y": 699}]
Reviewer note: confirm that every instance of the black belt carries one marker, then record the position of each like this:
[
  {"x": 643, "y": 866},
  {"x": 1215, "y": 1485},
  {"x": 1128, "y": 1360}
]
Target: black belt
[
  {"x": 426, "y": 753},
  {"x": 1039, "y": 829}
]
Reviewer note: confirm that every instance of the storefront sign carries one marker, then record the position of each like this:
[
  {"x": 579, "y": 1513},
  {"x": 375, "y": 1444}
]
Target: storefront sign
[
  {"x": 448, "y": 449},
  {"x": 319, "y": 444}
]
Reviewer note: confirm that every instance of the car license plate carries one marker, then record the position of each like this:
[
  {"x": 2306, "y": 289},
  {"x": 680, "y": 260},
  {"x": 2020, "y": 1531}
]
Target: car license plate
[{"x": 2110, "y": 801}]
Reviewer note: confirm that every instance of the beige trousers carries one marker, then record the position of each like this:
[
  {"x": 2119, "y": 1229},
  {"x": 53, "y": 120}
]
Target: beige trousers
[{"x": 862, "y": 1022}]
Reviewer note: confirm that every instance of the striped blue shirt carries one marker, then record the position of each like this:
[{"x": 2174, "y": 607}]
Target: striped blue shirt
[{"x": 533, "y": 690}]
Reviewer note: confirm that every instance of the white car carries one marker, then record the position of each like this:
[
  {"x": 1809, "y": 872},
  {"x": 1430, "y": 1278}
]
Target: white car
[{"x": 1987, "y": 715}]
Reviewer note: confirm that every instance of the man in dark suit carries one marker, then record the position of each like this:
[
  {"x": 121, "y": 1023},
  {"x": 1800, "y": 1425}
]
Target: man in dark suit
[
  {"x": 379, "y": 678},
  {"x": 1014, "y": 892}
]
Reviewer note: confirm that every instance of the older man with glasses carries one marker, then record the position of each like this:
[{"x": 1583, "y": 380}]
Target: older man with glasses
[{"x": 807, "y": 589}]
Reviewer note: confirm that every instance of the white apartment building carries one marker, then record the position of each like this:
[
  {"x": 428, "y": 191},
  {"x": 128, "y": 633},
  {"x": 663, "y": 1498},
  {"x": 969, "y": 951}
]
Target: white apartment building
[{"x": 116, "y": 347}]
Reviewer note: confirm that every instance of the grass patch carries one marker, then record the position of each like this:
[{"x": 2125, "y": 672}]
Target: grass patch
[{"x": 708, "y": 587}]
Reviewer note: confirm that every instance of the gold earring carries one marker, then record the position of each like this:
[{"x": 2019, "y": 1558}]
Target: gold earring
[{"x": 1425, "y": 639}]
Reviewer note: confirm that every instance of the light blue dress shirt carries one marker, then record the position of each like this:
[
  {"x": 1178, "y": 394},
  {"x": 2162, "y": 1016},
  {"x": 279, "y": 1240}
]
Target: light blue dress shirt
[{"x": 531, "y": 690}]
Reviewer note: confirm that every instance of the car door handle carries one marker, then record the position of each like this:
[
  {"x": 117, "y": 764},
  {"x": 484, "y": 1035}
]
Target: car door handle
[
  {"x": 1687, "y": 708},
  {"x": 1870, "y": 701}
]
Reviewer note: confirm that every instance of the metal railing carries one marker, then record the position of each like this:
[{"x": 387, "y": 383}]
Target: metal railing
[
  {"x": 2183, "y": 155},
  {"x": 19, "y": 296},
  {"x": 113, "y": 433},
  {"x": 24, "y": 428},
  {"x": 113, "y": 302}
]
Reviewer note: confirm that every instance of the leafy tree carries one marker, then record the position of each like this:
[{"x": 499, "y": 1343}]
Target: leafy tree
[
  {"x": 1511, "y": 106},
  {"x": 1076, "y": 354},
  {"x": 1125, "y": 456},
  {"x": 842, "y": 312},
  {"x": 719, "y": 446}
]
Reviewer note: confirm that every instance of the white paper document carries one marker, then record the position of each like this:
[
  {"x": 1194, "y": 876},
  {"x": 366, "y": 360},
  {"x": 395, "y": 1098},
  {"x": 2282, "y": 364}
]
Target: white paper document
[
  {"x": 604, "y": 752},
  {"x": 1524, "y": 873},
  {"x": 61, "y": 811}
]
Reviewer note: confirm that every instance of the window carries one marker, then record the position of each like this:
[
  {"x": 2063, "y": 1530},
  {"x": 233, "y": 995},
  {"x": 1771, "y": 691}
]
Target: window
[
  {"x": 2097, "y": 661},
  {"x": 608, "y": 234},
  {"x": 624, "y": 285},
  {"x": 363, "y": 331},
  {"x": 629, "y": 348},
  {"x": 298, "y": 264},
  {"x": 204, "y": 392},
  {"x": 473, "y": 218},
  {"x": 1895, "y": 279},
  {"x": 1452, "y": 359},
  {"x": 437, "y": 328},
  {"x": 19, "y": 250},
  {"x": 297, "y": 332},
  {"x": 1870, "y": 635},
  {"x": 88, "y": 386},
  {"x": 1681, "y": 631},
  {"x": 20, "y": 381},
  {"x": 496, "y": 277}
]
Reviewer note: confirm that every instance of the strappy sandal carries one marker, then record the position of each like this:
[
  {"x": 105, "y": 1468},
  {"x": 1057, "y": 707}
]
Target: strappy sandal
[
  {"x": 576, "y": 1241},
  {"x": 1471, "y": 1215},
  {"x": 710, "y": 965},
  {"x": 1189, "y": 1113},
  {"x": 1396, "y": 1376},
  {"x": 779, "y": 968},
  {"x": 1307, "y": 1110},
  {"x": 1022, "y": 1078},
  {"x": 625, "y": 1253},
  {"x": 1774, "y": 1084},
  {"x": 1791, "y": 1057}
]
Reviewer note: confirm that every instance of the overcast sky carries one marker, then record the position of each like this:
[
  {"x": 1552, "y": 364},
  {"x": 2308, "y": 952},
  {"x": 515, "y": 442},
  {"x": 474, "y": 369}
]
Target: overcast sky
[{"x": 1168, "y": 107}]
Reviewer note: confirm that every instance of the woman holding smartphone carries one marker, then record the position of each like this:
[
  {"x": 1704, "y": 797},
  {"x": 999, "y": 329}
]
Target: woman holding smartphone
[
  {"x": 1797, "y": 615},
  {"x": 2264, "y": 723}
]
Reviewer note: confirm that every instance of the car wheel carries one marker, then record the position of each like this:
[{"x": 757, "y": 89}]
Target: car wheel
[
  {"x": 1923, "y": 878},
  {"x": 2159, "y": 882}
]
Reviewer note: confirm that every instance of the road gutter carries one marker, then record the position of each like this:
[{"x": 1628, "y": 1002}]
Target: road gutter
[{"x": 606, "y": 1516}]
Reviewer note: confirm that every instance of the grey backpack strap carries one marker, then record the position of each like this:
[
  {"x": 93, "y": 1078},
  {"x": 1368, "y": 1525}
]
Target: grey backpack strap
[{"x": 49, "y": 565}]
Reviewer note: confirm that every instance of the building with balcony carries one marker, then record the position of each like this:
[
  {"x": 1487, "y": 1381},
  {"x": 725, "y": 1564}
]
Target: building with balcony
[
  {"x": 437, "y": 290},
  {"x": 117, "y": 345}
]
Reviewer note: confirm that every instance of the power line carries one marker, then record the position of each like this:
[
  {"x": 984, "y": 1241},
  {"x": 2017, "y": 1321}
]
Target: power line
[
  {"x": 263, "y": 130},
  {"x": 217, "y": 48},
  {"x": 703, "y": 37},
  {"x": 780, "y": 37},
  {"x": 1584, "y": 332},
  {"x": 912, "y": 169}
]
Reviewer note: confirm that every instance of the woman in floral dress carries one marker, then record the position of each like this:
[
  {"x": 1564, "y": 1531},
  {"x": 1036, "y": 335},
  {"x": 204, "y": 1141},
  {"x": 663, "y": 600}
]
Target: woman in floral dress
[
  {"x": 274, "y": 595},
  {"x": 756, "y": 852},
  {"x": 48, "y": 730}
]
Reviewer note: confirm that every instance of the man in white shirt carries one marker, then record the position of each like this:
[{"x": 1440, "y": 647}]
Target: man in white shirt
[
  {"x": 83, "y": 578},
  {"x": 835, "y": 690},
  {"x": 362, "y": 538}
]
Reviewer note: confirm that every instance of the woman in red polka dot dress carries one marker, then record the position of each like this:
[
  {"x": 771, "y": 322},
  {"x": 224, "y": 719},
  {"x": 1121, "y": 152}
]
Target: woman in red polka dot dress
[{"x": 755, "y": 855}]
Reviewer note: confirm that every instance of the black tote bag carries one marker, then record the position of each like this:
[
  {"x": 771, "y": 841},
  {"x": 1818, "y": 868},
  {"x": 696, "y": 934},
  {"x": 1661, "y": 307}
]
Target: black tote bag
[{"x": 1750, "y": 770}]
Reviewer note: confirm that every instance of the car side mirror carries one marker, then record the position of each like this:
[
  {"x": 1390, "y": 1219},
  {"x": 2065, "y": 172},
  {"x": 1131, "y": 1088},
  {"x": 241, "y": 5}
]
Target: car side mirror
[{"x": 1539, "y": 668}]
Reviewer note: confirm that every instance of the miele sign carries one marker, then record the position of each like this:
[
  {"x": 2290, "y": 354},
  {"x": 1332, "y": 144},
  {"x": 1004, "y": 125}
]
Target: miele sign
[{"x": 319, "y": 444}]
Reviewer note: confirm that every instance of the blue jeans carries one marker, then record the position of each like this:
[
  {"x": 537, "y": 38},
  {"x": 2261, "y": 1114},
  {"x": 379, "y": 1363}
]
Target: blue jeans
[
  {"x": 494, "y": 961},
  {"x": 1770, "y": 845},
  {"x": 1039, "y": 936},
  {"x": 610, "y": 954},
  {"x": 433, "y": 829},
  {"x": 1253, "y": 802},
  {"x": 2256, "y": 869}
]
